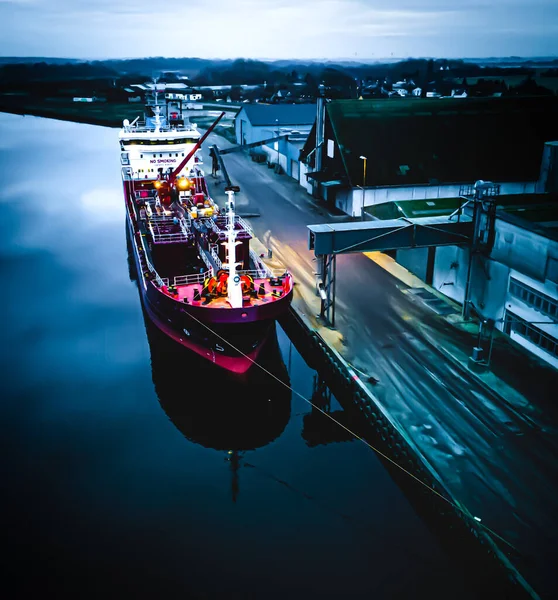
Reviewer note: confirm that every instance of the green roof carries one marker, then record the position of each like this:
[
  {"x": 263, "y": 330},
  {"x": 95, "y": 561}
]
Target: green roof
[
  {"x": 525, "y": 210},
  {"x": 414, "y": 209},
  {"x": 413, "y": 141}
]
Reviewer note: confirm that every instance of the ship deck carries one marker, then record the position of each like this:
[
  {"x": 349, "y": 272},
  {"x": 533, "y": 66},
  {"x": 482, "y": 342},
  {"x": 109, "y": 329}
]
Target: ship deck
[{"x": 272, "y": 293}]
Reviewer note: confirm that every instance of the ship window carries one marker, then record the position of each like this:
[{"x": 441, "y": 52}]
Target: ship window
[
  {"x": 177, "y": 154},
  {"x": 141, "y": 155},
  {"x": 183, "y": 154},
  {"x": 160, "y": 156}
]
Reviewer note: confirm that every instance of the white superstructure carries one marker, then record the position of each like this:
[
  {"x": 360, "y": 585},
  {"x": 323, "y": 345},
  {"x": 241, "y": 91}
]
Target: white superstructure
[
  {"x": 234, "y": 288},
  {"x": 160, "y": 143}
]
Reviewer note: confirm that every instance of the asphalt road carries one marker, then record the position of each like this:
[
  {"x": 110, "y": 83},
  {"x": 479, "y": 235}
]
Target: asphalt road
[{"x": 497, "y": 457}]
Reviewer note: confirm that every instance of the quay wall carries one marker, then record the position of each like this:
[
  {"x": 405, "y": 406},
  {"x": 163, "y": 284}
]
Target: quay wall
[{"x": 456, "y": 527}]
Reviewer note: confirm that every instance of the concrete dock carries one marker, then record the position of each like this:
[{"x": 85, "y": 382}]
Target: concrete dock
[{"x": 489, "y": 439}]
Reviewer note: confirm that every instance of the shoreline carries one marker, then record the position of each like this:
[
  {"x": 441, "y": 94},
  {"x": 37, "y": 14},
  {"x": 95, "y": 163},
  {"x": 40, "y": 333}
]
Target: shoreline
[
  {"x": 89, "y": 119},
  {"x": 58, "y": 116}
]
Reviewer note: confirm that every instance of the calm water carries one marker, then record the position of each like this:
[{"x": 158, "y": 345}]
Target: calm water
[{"x": 130, "y": 466}]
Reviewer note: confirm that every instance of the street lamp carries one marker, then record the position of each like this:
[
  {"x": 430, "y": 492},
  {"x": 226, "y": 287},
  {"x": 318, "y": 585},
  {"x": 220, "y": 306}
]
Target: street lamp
[
  {"x": 363, "y": 158},
  {"x": 277, "y": 142}
]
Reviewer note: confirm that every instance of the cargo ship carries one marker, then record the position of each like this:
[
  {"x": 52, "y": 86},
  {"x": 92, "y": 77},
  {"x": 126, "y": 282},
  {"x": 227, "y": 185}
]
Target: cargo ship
[{"x": 199, "y": 280}]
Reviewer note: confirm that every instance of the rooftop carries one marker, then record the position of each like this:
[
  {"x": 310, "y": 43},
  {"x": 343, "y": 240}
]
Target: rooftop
[
  {"x": 279, "y": 114},
  {"x": 415, "y": 141},
  {"x": 536, "y": 212}
]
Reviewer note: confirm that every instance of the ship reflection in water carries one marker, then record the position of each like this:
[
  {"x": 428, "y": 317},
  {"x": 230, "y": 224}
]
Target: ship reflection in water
[{"x": 213, "y": 408}]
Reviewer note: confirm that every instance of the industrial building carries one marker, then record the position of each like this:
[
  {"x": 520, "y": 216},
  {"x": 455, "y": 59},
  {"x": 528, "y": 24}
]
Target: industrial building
[
  {"x": 257, "y": 122},
  {"x": 364, "y": 152},
  {"x": 515, "y": 286}
]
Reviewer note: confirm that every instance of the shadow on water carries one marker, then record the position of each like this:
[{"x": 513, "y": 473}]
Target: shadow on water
[{"x": 212, "y": 408}]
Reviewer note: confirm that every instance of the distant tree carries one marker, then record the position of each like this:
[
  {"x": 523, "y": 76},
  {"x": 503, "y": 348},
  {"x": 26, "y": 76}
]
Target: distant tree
[
  {"x": 236, "y": 93},
  {"x": 311, "y": 84},
  {"x": 529, "y": 87}
]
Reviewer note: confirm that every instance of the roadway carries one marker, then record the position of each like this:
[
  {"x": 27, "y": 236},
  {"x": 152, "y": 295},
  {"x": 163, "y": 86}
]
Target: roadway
[{"x": 496, "y": 455}]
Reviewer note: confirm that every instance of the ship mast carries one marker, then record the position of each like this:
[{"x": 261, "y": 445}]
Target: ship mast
[
  {"x": 234, "y": 287},
  {"x": 157, "y": 108}
]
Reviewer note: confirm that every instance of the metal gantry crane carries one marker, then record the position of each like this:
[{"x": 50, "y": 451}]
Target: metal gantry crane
[
  {"x": 473, "y": 228},
  {"x": 217, "y": 155}
]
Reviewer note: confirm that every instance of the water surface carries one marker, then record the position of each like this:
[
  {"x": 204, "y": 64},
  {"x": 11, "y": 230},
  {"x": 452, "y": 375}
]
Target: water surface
[{"x": 132, "y": 467}]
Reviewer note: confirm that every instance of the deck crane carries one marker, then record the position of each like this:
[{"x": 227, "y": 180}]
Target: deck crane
[{"x": 166, "y": 187}]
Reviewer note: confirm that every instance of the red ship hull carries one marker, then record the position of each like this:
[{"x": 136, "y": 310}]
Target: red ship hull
[{"x": 230, "y": 338}]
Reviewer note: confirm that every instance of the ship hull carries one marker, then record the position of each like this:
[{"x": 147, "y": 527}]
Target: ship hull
[{"x": 232, "y": 339}]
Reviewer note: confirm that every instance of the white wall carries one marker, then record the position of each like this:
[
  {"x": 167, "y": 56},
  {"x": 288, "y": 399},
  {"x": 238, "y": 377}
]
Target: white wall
[
  {"x": 519, "y": 253},
  {"x": 414, "y": 260},
  {"x": 352, "y": 204},
  {"x": 450, "y": 271},
  {"x": 273, "y": 153},
  {"x": 302, "y": 179}
]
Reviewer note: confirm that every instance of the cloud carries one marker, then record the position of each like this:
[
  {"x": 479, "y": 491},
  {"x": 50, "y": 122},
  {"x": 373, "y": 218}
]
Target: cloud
[{"x": 276, "y": 28}]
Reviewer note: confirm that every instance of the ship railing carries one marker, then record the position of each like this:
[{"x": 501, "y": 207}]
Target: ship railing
[
  {"x": 262, "y": 269},
  {"x": 150, "y": 267},
  {"x": 262, "y": 273},
  {"x": 193, "y": 278},
  {"x": 185, "y": 225},
  {"x": 146, "y": 194},
  {"x": 215, "y": 257},
  {"x": 169, "y": 238},
  {"x": 260, "y": 265},
  {"x": 157, "y": 218},
  {"x": 142, "y": 127},
  {"x": 152, "y": 270},
  {"x": 243, "y": 224},
  {"x": 213, "y": 226},
  {"x": 159, "y": 237}
]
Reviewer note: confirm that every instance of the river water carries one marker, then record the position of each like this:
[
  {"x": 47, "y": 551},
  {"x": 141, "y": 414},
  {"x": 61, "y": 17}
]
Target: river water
[{"x": 133, "y": 468}]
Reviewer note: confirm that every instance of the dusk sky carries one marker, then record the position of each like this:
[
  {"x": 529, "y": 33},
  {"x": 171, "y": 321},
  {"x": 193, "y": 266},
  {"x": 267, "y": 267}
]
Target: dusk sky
[{"x": 355, "y": 29}]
